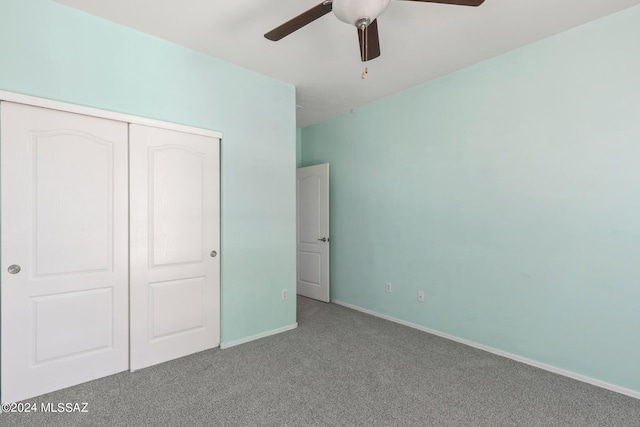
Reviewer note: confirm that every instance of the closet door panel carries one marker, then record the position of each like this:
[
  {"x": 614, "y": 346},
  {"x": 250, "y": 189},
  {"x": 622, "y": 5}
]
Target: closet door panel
[
  {"x": 175, "y": 270},
  {"x": 64, "y": 249}
]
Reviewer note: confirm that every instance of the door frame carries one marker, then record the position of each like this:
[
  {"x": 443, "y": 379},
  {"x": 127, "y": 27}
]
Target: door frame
[{"x": 103, "y": 114}]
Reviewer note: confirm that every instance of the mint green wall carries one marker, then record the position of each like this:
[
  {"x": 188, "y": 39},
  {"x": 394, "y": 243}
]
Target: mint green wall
[
  {"x": 52, "y": 51},
  {"x": 510, "y": 193}
]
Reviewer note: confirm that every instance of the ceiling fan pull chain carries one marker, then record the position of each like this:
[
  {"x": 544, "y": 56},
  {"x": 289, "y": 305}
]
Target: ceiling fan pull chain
[{"x": 366, "y": 51}]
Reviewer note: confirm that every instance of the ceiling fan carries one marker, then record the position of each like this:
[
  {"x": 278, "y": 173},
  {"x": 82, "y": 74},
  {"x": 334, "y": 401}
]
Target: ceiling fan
[{"x": 360, "y": 13}]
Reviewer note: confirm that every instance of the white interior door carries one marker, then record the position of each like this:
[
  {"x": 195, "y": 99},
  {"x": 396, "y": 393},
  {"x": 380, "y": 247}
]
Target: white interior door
[
  {"x": 313, "y": 232},
  {"x": 64, "y": 249},
  {"x": 175, "y": 235}
]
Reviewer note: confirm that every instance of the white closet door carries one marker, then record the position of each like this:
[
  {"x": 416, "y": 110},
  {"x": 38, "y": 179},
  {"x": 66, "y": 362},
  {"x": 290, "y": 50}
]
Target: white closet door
[
  {"x": 175, "y": 234},
  {"x": 64, "y": 249}
]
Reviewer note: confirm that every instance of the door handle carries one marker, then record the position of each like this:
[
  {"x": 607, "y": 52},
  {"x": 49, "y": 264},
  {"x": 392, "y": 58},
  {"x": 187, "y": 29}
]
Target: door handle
[
  {"x": 324, "y": 239},
  {"x": 14, "y": 269}
]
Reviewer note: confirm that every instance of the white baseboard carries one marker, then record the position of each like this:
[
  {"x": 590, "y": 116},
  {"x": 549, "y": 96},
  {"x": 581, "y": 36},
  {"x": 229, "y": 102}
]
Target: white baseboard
[
  {"x": 550, "y": 368},
  {"x": 229, "y": 344}
]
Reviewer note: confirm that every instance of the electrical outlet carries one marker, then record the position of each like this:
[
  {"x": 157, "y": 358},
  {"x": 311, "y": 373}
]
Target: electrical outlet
[
  {"x": 420, "y": 296},
  {"x": 285, "y": 295},
  {"x": 387, "y": 287}
]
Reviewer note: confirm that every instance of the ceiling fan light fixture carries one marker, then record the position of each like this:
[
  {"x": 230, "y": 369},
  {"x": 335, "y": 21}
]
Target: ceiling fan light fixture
[{"x": 353, "y": 11}]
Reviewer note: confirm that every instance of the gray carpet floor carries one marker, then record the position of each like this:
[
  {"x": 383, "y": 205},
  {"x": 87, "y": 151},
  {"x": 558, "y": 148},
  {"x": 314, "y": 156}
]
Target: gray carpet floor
[{"x": 340, "y": 367}]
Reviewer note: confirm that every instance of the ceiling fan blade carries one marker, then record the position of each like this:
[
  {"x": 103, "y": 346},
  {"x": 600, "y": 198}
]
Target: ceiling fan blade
[
  {"x": 369, "y": 42},
  {"x": 458, "y": 2},
  {"x": 300, "y": 21}
]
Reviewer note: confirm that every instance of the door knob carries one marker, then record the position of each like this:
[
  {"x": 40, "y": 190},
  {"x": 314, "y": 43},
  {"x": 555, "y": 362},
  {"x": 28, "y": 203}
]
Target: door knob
[
  {"x": 324, "y": 239},
  {"x": 14, "y": 269},
  {"x": 213, "y": 254}
]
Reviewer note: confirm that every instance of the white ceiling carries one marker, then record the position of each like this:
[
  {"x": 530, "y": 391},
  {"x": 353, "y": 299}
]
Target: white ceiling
[{"x": 419, "y": 41}]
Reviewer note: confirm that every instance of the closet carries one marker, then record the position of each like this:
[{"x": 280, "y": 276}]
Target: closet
[{"x": 110, "y": 240}]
